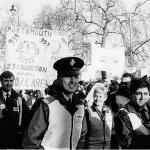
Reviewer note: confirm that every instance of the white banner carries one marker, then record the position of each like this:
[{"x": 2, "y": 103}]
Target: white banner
[
  {"x": 110, "y": 60},
  {"x": 2, "y": 57},
  {"x": 30, "y": 55},
  {"x": 26, "y": 56},
  {"x": 58, "y": 49}
]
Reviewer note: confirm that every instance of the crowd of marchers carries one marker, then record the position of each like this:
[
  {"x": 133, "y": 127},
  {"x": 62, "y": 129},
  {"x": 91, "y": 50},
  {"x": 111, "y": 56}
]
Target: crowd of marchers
[{"x": 75, "y": 114}]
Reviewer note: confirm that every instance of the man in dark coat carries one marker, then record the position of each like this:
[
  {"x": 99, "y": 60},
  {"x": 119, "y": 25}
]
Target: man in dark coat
[
  {"x": 123, "y": 92},
  {"x": 14, "y": 113},
  {"x": 132, "y": 123}
]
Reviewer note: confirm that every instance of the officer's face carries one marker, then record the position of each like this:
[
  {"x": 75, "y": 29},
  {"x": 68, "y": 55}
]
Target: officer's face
[
  {"x": 69, "y": 84},
  {"x": 141, "y": 96},
  {"x": 7, "y": 83}
]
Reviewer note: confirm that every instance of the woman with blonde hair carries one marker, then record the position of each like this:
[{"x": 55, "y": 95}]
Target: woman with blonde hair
[{"x": 99, "y": 119}]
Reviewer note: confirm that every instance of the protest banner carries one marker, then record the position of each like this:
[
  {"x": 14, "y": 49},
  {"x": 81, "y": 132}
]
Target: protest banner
[
  {"x": 26, "y": 56},
  {"x": 2, "y": 55},
  {"x": 111, "y": 60},
  {"x": 30, "y": 55}
]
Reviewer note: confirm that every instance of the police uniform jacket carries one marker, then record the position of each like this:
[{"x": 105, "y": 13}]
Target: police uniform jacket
[
  {"x": 56, "y": 124},
  {"x": 125, "y": 122},
  {"x": 13, "y": 118}
]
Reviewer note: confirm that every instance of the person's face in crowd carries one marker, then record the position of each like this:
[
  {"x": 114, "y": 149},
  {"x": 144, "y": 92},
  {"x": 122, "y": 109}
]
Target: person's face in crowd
[
  {"x": 7, "y": 83},
  {"x": 81, "y": 88},
  {"x": 69, "y": 84},
  {"x": 141, "y": 96},
  {"x": 38, "y": 94},
  {"x": 99, "y": 97},
  {"x": 126, "y": 81}
]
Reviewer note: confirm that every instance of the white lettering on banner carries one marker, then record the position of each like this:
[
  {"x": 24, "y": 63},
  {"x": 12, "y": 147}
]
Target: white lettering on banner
[
  {"x": 30, "y": 83},
  {"x": 29, "y": 31}
]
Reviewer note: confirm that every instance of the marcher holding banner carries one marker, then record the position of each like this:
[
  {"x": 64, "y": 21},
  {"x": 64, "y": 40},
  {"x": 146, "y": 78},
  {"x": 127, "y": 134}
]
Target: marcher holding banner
[
  {"x": 58, "y": 121},
  {"x": 14, "y": 113}
]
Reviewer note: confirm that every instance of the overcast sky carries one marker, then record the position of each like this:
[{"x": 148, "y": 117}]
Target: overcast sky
[{"x": 30, "y": 8}]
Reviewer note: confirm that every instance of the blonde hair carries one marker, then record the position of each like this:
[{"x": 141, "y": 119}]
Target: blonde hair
[{"x": 98, "y": 87}]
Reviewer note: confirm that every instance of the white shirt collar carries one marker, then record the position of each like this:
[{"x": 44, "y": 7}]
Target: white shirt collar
[{"x": 4, "y": 93}]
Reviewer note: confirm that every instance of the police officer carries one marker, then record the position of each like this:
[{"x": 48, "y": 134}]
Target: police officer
[
  {"x": 14, "y": 113},
  {"x": 58, "y": 121}
]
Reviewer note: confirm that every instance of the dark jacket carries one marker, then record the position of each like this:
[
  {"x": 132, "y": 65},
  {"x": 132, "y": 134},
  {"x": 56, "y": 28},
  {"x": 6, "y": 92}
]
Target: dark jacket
[
  {"x": 99, "y": 128},
  {"x": 13, "y": 119},
  {"x": 128, "y": 137}
]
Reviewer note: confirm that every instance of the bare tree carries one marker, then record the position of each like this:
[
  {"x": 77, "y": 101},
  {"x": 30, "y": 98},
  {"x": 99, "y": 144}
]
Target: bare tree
[
  {"x": 98, "y": 17},
  {"x": 64, "y": 20},
  {"x": 135, "y": 33},
  {"x": 101, "y": 20}
]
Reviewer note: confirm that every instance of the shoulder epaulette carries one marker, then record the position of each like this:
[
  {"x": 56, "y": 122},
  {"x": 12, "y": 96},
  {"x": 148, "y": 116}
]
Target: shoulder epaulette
[{"x": 49, "y": 99}]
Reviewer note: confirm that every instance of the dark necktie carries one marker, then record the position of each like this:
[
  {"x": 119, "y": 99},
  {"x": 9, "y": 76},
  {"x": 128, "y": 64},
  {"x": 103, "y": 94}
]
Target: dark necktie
[
  {"x": 7, "y": 97},
  {"x": 145, "y": 115},
  {"x": 8, "y": 102}
]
